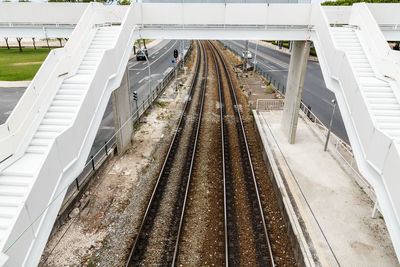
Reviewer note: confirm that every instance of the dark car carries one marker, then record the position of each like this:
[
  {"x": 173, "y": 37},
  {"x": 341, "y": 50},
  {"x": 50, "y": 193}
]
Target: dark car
[{"x": 142, "y": 54}]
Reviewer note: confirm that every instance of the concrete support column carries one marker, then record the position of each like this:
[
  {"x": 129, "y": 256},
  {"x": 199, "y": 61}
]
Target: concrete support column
[
  {"x": 122, "y": 110},
  {"x": 294, "y": 88}
]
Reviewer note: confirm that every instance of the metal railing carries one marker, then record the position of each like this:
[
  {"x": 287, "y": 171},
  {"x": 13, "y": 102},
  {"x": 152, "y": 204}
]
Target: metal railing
[
  {"x": 337, "y": 145},
  {"x": 270, "y": 104},
  {"x": 99, "y": 157}
]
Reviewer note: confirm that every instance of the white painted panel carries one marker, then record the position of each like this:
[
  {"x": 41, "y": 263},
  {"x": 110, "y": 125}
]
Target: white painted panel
[
  {"x": 37, "y": 13},
  {"x": 337, "y": 14},
  {"x": 385, "y": 13},
  {"x": 204, "y": 14}
]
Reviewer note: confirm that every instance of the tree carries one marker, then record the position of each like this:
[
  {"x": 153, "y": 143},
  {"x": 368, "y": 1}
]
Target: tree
[
  {"x": 19, "y": 39},
  {"x": 6, "y": 39},
  {"x": 351, "y": 2},
  {"x": 123, "y": 2}
]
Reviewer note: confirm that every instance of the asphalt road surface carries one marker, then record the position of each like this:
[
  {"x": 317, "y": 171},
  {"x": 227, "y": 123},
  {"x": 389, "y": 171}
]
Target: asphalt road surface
[
  {"x": 315, "y": 93},
  {"x": 160, "y": 57}
]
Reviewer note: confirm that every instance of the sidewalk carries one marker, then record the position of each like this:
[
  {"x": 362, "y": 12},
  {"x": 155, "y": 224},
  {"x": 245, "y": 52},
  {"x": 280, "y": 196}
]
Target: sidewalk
[
  {"x": 283, "y": 50},
  {"x": 330, "y": 215},
  {"x": 14, "y": 84}
]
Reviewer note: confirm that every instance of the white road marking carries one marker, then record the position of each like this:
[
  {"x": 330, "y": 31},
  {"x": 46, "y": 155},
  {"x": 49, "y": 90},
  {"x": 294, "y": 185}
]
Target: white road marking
[
  {"x": 267, "y": 57},
  {"x": 137, "y": 72},
  {"x": 146, "y": 65}
]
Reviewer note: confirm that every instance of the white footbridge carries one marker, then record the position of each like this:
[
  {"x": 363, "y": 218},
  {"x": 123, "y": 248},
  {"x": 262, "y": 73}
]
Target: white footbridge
[{"x": 46, "y": 140}]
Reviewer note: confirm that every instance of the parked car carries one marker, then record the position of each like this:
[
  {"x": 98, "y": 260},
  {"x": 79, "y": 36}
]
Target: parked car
[
  {"x": 248, "y": 53},
  {"x": 142, "y": 54}
]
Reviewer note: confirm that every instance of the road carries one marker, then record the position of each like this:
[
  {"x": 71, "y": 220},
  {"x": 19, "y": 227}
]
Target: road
[
  {"x": 315, "y": 93},
  {"x": 160, "y": 62}
]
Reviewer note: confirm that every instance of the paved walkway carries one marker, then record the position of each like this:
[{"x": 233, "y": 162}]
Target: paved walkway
[
  {"x": 14, "y": 84},
  {"x": 283, "y": 49},
  {"x": 331, "y": 213}
]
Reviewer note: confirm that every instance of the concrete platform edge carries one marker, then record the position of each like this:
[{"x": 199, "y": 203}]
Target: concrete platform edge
[{"x": 304, "y": 250}]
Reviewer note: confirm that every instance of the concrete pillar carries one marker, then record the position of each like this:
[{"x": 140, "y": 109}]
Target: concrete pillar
[
  {"x": 122, "y": 110},
  {"x": 294, "y": 88}
]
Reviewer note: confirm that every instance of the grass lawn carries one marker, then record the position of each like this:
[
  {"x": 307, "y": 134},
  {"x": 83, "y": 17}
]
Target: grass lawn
[{"x": 20, "y": 66}]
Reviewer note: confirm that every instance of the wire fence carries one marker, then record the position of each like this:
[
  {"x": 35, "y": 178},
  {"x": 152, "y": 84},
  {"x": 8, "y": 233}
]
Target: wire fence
[
  {"x": 100, "y": 156},
  {"x": 72, "y": 190},
  {"x": 336, "y": 145}
]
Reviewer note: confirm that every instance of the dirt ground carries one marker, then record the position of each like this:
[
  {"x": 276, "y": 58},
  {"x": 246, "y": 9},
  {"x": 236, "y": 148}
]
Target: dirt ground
[{"x": 100, "y": 233}]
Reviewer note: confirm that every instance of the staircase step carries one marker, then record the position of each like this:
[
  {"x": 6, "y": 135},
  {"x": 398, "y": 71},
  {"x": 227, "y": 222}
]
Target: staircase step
[
  {"x": 103, "y": 46},
  {"x": 40, "y": 142},
  {"x": 68, "y": 97},
  {"x": 78, "y": 80},
  {"x": 12, "y": 191},
  {"x": 58, "y": 122},
  {"x": 72, "y": 86},
  {"x": 386, "y": 113},
  {"x": 86, "y": 67},
  {"x": 383, "y": 101},
  {"x": 51, "y": 128},
  {"x": 36, "y": 149},
  {"x": 8, "y": 212},
  {"x": 62, "y": 109},
  {"x": 361, "y": 65},
  {"x": 387, "y": 119},
  {"x": 393, "y": 133},
  {"x": 63, "y": 103},
  {"x": 45, "y": 135},
  {"x": 389, "y": 126},
  {"x": 58, "y": 115},
  {"x": 9, "y": 201},
  {"x": 85, "y": 71},
  {"x": 70, "y": 92},
  {"x": 15, "y": 180},
  {"x": 380, "y": 95},
  {"x": 385, "y": 107}
]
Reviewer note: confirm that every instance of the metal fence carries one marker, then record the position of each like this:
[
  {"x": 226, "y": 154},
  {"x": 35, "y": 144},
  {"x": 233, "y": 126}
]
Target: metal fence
[
  {"x": 270, "y": 104},
  {"x": 337, "y": 145},
  {"x": 98, "y": 158}
]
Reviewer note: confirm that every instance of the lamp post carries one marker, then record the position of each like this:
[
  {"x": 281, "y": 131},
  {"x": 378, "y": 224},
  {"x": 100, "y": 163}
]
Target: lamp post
[
  {"x": 330, "y": 124},
  {"x": 255, "y": 58}
]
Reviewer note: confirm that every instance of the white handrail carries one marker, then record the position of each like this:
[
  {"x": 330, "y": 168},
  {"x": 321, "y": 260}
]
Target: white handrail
[{"x": 59, "y": 64}]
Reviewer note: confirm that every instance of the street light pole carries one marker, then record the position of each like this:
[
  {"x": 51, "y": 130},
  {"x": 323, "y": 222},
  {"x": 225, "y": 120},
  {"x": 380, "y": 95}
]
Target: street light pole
[
  {"x": 255, "y": 58},
  {"x": 330, "y": 124}
]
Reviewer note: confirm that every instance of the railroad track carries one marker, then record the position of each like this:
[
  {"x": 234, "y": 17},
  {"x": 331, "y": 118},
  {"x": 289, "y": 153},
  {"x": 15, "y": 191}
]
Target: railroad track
[
  {"x": 171, "y": 236},
  {"x": 175, "y": 221},
  {"x": 259, "y": 225}
]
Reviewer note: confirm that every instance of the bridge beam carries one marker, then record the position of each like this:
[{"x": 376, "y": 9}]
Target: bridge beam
[
  {"x": 294, "y": 88},
  {"x": 122, "y": 110}
]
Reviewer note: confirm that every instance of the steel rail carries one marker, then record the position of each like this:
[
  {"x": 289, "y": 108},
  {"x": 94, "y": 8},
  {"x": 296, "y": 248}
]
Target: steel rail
[
  {"x": 198, "y": 122},
  {"x": 168, "y": 160},
  {"x": 235, "y": 103},
  {"x": 232, "y": 249},
  {"x": 221, "y": 116}
]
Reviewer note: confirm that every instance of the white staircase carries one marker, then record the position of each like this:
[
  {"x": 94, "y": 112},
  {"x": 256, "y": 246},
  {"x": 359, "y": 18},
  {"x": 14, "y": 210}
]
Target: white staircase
[
  {"x": 59, "y": 134},
  {"x": 358, "y": 65},
  {"x": 382, "y": 102},
  {"x": 63, "y": 108}
]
